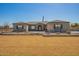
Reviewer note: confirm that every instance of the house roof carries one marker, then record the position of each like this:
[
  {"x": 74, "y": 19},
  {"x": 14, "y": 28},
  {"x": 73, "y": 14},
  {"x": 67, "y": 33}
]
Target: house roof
[
  {"x": 37, "y": 22},
  {"x": 58, "y": 21},
  {"x": 34, "y": 23},
  {"x": 29, "y": 23},
  {"x": 20, "y": 23}
]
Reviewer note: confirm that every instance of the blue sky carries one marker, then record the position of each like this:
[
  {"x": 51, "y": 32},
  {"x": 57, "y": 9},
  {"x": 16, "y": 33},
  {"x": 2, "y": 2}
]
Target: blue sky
[{"x": 20, "y": 12}]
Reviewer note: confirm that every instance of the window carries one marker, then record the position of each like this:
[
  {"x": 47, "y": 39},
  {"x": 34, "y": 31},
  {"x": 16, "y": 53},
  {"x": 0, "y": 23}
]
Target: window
[
  {"x": 20, "y": 27},
  {"x": 32, "y": 27},
  {"x": 57, "y": 25}
]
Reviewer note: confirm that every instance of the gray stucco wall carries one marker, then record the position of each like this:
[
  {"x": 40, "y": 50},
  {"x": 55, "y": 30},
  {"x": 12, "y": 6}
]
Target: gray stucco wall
[{"x": 65, "y": 26}]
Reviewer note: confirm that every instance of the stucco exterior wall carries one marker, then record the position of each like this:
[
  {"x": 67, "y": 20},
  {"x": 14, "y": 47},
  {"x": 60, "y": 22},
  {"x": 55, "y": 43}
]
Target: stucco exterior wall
[
  {"x": 50, "y": 27},
  {"x": 65, "y": 26},
  {"x": 25, "y": 27}
]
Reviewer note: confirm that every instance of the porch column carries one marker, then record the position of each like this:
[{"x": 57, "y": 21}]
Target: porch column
[{"x": 26, "y": 28}]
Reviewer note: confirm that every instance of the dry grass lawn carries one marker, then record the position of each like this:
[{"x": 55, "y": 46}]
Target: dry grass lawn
[{"x": 37, "y": 45}]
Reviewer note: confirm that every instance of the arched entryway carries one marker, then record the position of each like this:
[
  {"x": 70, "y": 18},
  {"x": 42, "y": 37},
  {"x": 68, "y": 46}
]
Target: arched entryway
[{"x": 39, "y": 27}]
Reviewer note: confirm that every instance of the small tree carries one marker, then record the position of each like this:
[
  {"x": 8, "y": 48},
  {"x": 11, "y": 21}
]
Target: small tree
[
  {"x": 6, "y": 27},
  {"x": 74, "y": 25}
]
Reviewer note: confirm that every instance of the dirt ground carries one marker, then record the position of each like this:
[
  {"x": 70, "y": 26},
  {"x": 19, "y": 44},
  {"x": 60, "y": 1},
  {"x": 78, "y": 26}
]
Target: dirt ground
[{"x": 37, "y": 45}]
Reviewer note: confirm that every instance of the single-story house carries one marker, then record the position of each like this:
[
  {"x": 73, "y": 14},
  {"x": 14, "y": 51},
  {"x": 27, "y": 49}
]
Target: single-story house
[
  {"x": 53, "y": 26},
  {"x": 30, "y": 26}
]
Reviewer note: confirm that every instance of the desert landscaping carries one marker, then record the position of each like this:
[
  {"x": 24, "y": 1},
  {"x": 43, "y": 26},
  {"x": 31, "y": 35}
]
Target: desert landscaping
[{"x": 38, "y": 45}]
